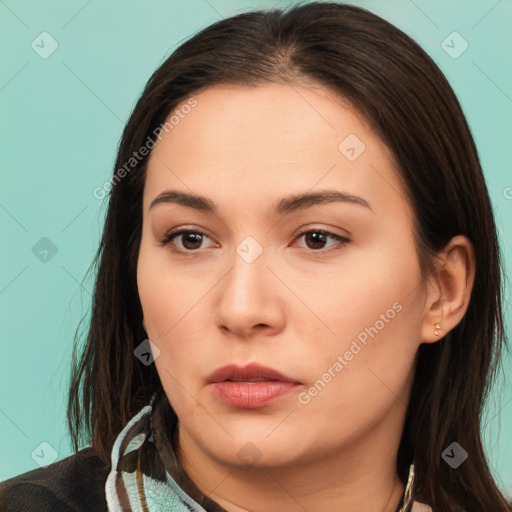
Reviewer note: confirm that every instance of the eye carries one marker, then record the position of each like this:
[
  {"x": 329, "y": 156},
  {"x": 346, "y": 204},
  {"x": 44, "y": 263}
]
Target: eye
[
  {"x": 190, "y": 240},
  {"x": 315, "y": 238}
]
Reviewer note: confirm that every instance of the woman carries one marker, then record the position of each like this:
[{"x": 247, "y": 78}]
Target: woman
[{"x": 298, "y": 302}]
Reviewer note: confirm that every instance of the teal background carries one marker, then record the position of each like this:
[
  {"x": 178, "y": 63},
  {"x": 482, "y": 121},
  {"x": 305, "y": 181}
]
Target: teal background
[{"x": 61, "y": 121}]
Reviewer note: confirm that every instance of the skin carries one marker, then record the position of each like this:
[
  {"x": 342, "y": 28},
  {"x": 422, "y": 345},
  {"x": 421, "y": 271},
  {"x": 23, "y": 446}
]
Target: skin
[{"x": 297, "y": 307}]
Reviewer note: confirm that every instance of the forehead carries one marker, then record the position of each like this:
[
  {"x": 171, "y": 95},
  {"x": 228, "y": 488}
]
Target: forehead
[
  {"x": 270, "y": 140},
  {"x": 233, "y": 120}
]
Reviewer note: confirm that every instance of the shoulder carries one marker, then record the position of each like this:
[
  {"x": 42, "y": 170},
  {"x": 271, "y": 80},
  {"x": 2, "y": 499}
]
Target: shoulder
[{"x": 73, "y": 484}]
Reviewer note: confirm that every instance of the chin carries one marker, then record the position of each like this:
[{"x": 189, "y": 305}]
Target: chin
[{"x": 245, "y": 451}]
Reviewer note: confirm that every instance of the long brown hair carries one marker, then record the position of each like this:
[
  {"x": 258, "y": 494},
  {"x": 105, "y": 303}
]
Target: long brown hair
[{"x": 407, "y": 100}]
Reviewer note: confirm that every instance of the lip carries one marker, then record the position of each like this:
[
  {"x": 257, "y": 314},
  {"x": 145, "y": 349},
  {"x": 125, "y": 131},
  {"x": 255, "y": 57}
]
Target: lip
[
  {"x": 250, "y": 387},
  {"x": 251, "y": 371}
]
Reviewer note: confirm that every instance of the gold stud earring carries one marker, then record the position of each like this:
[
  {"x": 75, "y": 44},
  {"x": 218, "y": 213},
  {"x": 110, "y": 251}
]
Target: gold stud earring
[{"x": 437, "y": 327}]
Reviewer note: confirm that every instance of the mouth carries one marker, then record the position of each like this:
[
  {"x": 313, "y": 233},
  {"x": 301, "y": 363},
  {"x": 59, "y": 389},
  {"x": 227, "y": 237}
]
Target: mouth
[
  {"x": 252, "y": 372},
  {"x": 250, "y": 387}
]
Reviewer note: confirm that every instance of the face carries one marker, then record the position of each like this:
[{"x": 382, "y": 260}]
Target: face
[{"x": 325, "y": 291}]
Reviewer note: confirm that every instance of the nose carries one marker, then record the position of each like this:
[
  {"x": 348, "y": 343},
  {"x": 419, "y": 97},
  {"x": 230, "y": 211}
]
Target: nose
[{"x": 250, "y": 299}]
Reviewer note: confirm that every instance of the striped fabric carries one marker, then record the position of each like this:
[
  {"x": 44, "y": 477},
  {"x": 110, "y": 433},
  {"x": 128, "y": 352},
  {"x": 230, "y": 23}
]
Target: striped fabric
[{"x": 138, "y": 480}]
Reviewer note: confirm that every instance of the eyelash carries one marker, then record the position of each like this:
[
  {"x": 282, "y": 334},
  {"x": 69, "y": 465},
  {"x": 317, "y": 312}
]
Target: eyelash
[{"x": 168, "y": 237}]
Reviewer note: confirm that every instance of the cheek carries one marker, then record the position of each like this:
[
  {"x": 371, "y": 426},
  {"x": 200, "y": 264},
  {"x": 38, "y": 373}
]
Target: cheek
[
  {"x": 154, "y": 294},
  {"x": 373, "y": 311},
  {"x": 174, "y": 314},
  {"x": 164, "y": 308},
  {"x": 356, "y": 382},
  {"x": 165, "y": 295},
  {"x": 364, "y": 292}
]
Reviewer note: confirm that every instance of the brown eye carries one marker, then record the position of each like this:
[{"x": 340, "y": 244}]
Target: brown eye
[
  {"x": 190, "y": 240},
  {"x": 316, "y": 239}
]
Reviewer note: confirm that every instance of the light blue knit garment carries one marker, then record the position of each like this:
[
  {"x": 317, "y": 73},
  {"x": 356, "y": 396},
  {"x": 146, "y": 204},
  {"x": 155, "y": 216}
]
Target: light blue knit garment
[{"x": 157, "y": 495}]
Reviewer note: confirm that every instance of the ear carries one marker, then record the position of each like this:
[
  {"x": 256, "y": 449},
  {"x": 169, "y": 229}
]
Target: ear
[{"x": 449, "y": 290}]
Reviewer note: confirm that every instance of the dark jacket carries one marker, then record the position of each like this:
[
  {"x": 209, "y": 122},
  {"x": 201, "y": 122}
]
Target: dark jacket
[{"x": 73, "y": 484}]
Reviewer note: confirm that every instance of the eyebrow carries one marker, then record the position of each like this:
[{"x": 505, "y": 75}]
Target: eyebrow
[{"x": 284, "y": 206}]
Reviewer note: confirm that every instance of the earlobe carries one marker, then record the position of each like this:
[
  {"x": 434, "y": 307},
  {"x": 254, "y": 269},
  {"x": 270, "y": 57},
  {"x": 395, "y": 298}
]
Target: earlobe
[{"x": 449, "y": 291}]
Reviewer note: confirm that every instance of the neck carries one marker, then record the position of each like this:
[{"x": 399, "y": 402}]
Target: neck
[{"x": 362, "y": 477}]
